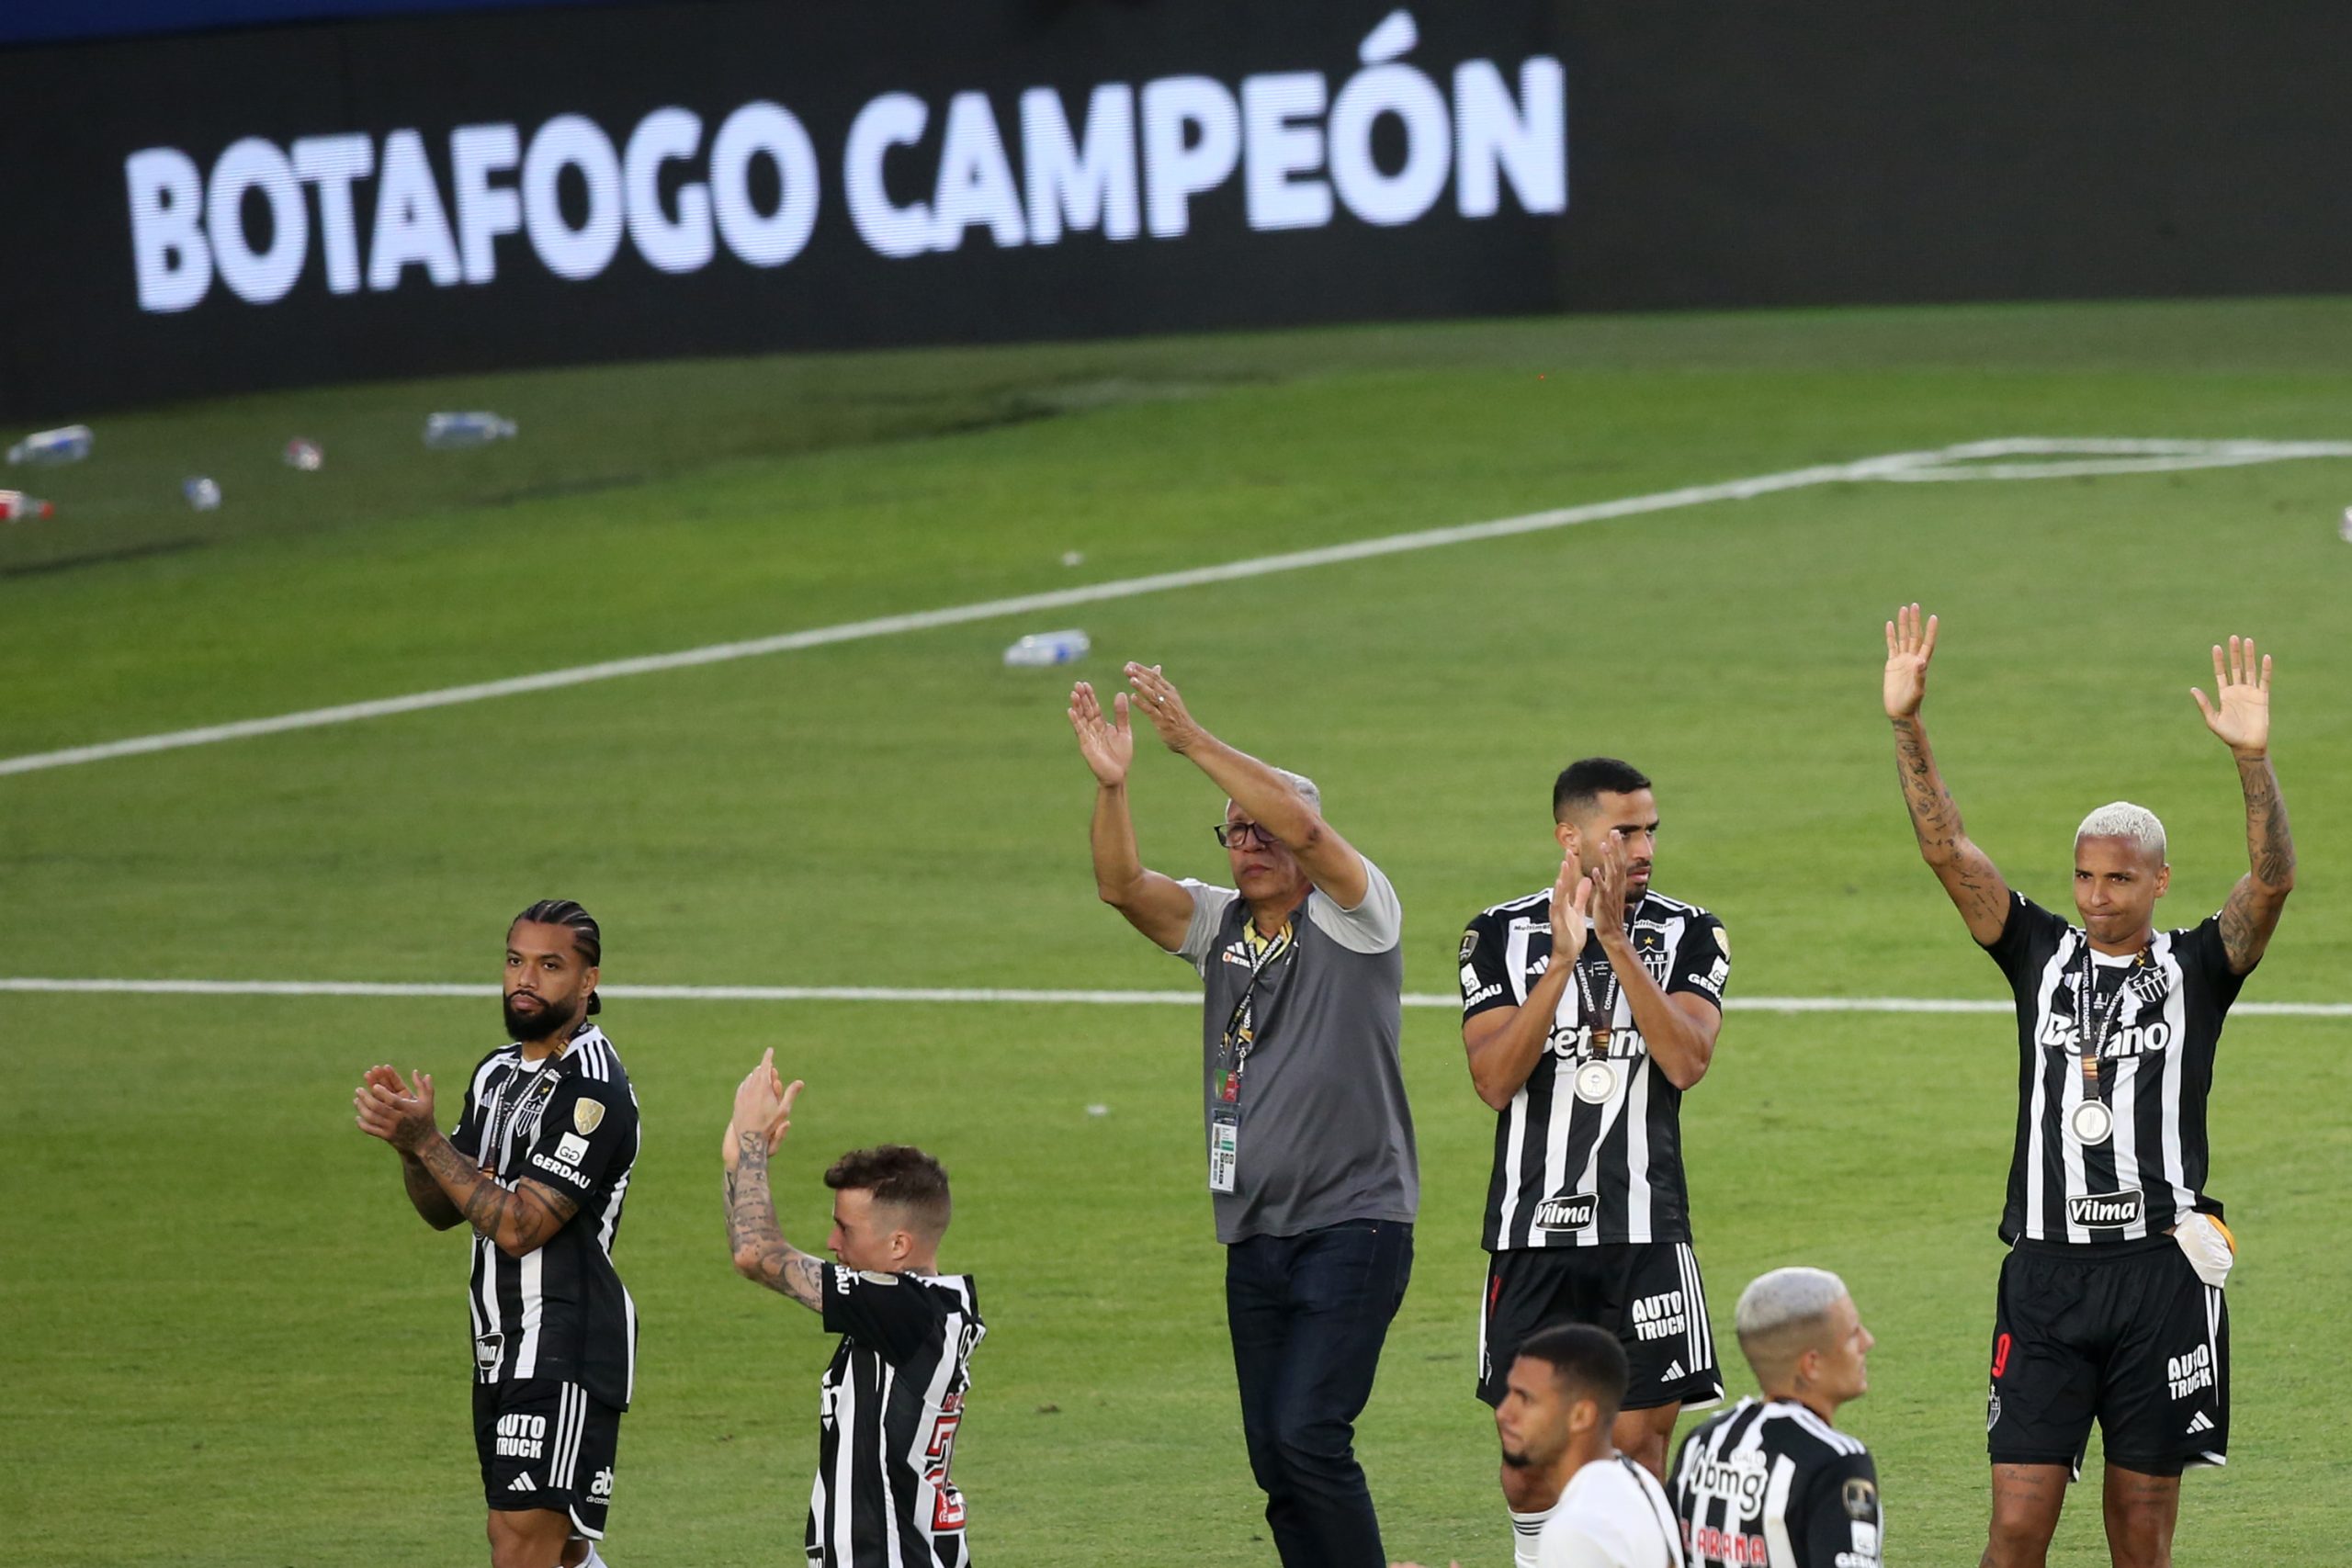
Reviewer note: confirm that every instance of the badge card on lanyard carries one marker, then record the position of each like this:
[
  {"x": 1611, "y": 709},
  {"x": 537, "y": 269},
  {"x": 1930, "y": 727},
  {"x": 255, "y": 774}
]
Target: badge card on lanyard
[{"x": 1233, "y": 1059}]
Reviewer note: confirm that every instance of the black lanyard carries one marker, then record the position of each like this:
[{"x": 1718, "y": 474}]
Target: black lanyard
[
  {"x": 2094, "y": 1037},
  {"x": 1601, "y": 1016}
]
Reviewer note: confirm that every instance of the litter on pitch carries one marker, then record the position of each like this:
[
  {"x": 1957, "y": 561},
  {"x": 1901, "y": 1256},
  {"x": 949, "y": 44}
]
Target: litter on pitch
[
  {"x": 67, "y": 443},
  {"x": 203, "y": 494},
  {"x": 445, "y": 431},
  {"x": 306, "y": 456},
  {"x": 16, "y": 506},
  {"x": 1043, "y": 650}
]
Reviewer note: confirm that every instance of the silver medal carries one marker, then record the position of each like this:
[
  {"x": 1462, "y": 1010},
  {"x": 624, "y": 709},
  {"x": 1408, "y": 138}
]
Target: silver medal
[
  {"x": 1596, "y": 1082},
  {"x": 2091, "y": 1122}
]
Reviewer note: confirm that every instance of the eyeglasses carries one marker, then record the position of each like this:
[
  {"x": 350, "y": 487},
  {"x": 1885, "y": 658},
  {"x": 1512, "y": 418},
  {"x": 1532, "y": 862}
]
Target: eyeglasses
[{"x": 1239, "y": 835}]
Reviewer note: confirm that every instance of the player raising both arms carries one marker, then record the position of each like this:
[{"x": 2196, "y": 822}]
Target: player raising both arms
[{"x": 2110, "y": 1306}]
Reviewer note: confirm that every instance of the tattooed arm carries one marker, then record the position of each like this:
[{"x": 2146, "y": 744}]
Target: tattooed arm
[
  {"x": 1972, "y": 881},
  {"x": 755, "y": 1236},
  {"x": 2240, "y": 718},
  {"x": 517, "y": 1220},
  {"x": 762, "y": 1115}
]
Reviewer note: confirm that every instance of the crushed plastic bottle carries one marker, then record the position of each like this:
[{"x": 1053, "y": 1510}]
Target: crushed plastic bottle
[
  {"x": 67, "y": 443},
  {"x": 305, "y": 455},
  {"x": 202, "y": 494},
  {"x": 16, "y": 506},
  {"x": 444, "y": 431},
  {"x": 1043, "y": 650}
]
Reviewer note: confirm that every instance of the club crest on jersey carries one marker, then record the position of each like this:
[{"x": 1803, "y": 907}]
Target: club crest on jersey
[
  {"x": 587, "y": 1115},
  {"x": 1574, "y": 1213},
  {"x": 2107, "y": 1211}
]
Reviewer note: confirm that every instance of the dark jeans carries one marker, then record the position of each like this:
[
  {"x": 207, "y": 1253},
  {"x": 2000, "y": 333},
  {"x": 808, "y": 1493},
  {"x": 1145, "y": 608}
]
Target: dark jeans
[{"x": 1308, "y": 1313}]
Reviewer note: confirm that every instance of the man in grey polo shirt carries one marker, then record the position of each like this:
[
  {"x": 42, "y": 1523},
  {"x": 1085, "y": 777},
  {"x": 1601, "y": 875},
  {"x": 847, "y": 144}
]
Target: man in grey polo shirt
[{"x": 1309, "y": 1149}]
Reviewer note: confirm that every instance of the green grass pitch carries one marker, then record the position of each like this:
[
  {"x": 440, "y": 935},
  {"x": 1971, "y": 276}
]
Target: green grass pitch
[{"x": 228, "y": 1342}]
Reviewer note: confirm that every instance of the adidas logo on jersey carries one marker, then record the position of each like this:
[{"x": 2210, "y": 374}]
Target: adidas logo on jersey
[
  {"x": 2201, "y": 1421},
  {"x": 1674, "y": 1371},
  {"x": 522, "y": 1484}
]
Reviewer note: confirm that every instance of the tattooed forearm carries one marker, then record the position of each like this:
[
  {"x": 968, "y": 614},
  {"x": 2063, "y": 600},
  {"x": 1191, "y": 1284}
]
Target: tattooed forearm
[
  {"x": 517, "y": 1220},
  {"x": 1934, "y": 817},
  {"x": 425, "y": 1195},
  {"x": 2270, "y": 847},
  {"x": 755, "y": 1236}
]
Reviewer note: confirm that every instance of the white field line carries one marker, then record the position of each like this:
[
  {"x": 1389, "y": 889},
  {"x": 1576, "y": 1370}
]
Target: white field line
[
  {"x": 1936, "y": 464},
  {"x": 964, "y": 994}
]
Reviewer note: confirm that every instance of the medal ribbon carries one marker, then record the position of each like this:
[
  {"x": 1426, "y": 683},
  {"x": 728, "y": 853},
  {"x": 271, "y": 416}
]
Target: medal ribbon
[
  {"x": 1600, "y": 1016},
  {"x": 2095, "y": 1039},
  {"x": 1242, "y": 1028}
]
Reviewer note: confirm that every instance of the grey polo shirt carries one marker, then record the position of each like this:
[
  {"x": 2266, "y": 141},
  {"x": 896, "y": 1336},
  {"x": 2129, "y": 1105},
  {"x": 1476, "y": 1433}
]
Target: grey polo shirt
[{"x": 1326, "y": 1135}]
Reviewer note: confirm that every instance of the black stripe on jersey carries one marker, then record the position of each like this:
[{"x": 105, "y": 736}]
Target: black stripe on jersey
[{"x": 1568, "y": 1172}]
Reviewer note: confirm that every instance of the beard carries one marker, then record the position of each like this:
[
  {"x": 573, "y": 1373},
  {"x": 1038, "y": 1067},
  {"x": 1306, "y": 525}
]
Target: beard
[
  {"x": 550, "y": 1021},
  {"x": 1519, "y": 1460}
]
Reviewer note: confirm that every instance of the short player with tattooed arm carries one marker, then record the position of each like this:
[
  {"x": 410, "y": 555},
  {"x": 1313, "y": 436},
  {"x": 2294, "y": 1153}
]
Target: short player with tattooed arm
[
  {"x": 2111, "y": 1306},
  {"x": 893, "y": 1397},
  {"x": 1588, "y": 1009},
  {"x": 539, "y": 1166}
]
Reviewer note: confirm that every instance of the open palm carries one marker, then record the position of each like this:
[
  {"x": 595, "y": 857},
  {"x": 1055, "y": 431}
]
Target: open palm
[
  {"x": 1108, "y": 744},
  {"x": 1909, "y": 645},
  {"x": 2240, "y": 712}
]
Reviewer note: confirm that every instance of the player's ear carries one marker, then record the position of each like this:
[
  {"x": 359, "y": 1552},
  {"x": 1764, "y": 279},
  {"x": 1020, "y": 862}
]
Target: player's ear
[
  {"x": 2164, "y": 880},
  {"x": 1565, "y": 832}
]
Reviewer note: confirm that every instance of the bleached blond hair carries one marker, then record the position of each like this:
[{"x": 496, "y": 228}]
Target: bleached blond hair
[
  {"x": 2121, "y": 819},
  {"x": 1783, "y": 1314}
]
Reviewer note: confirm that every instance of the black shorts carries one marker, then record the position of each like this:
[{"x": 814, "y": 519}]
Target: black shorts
[
  {"x": 547, "y": 1444},
  {"x": 2126, "y": 1334},
  {"x": 1648, "y": 1294}
]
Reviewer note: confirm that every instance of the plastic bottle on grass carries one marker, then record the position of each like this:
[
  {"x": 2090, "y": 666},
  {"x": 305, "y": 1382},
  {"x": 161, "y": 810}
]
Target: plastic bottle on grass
[
  {"x": 16, "y": 506},
  {"x": 67, "y": 443},
  {"x": 202, "y": 494},
  {"x": 1042, "y": 651},
  {"x": 444, "y": 431}
]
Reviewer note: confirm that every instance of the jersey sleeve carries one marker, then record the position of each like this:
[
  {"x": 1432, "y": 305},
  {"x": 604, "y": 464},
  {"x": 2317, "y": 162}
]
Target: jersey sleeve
[
  {"x": 1702, "y": 960},
  {"x": 1375, "y": 925},
  {"x": 2028, "y": 929},
  {"x": 587, "y": 1125},
  {"x": 1208, "y": 908},
  {"x": 1841, "y": 1514},
  {"x": 888, "y": 1313},
  {"x": 2202, "y": 950},
  {"x": 1485, "y": 980}
]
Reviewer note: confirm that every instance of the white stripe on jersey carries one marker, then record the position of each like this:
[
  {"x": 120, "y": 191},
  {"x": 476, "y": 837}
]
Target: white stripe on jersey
[
  {"x": 1783, "y": 1551},
  {"x": 846, "y": 1445},
  {"x": 530, "y": 1277},
  {"x": 2175, "y": 1169},
  {"x": 889, "y": 1494},
  {"x": 488, "y": 1320}
]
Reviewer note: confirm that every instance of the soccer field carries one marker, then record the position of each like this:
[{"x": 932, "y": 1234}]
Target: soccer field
[{"x": 228, "y": 1341}]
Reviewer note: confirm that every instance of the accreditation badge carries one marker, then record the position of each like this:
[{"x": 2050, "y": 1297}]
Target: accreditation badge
[
  {"x": 1596, "y": 1082},
  {"x": 1225, "y": 1151}
]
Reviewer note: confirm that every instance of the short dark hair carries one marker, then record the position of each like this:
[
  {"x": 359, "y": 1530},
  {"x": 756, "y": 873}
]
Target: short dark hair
[
  {"x": 1582, "y": 782},
  {"x": 900, "y": 1174},
  {"x": 587, "y": 937},
  {"x": 1589, "y": 1361}
]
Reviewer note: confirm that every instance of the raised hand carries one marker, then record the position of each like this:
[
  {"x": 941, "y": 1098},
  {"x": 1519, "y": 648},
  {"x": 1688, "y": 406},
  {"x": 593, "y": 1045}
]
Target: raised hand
[
  {"x": 1571, "y": 904},
  {"x": 2240, "y": 714},
  {"x": 1164, "y": 707},
  {"x": 1107, "y": 744},
  {"x": 1606, "y": 872},
  {"x": 763, "y": 1105},
  {"x": 388, "y": 1109},
  {"x": 1909, "y": 646}
]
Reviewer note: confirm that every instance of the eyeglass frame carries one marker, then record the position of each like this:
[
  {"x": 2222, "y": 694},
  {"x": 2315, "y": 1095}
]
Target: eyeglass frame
[{"x": 1226, "y": 832}]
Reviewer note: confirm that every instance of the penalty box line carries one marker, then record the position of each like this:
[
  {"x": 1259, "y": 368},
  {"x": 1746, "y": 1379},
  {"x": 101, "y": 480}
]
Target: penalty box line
[
  {"x": 1963, "y": 460},
  {"x": 959, "y": 994}
]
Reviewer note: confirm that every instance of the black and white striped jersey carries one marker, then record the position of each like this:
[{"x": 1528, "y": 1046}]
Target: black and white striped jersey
[
  {"x": 568, "y": 1122},
  {"x": 1768, "y": 1484},
  {"x": 893, "y": 1401},
  {"x": 2127, "y": 1160},
  {"x": 1591, "y": 1158}
]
